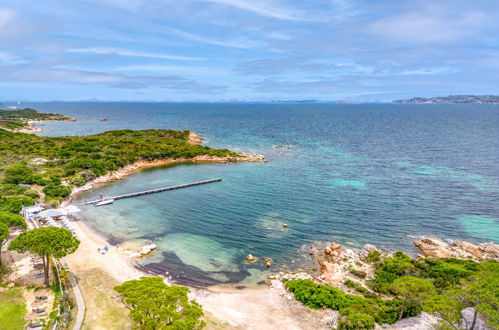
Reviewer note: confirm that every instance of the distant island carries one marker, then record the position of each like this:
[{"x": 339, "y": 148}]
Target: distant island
[{"x": 453, "y": 99}]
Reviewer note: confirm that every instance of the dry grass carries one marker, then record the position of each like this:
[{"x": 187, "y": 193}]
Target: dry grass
[{"x": 102, "y": 312}]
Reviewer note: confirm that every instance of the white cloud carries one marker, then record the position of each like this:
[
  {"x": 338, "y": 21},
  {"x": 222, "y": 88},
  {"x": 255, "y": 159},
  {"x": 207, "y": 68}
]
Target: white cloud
[
  {"x": 7, "y": 16},
  {"x": 76, "y": 76},
  {"x": 124, "y": 52},
  {"x": 264, "y": 8},
  {"x": 430, "y": 25},
  {"x": 9, "y": 59},
  {"x": 172, "y": 68},
  {"x": 241, "y": 42}
]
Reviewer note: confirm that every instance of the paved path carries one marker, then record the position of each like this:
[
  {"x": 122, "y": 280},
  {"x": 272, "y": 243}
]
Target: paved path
[{"x": 79, "y": 302}]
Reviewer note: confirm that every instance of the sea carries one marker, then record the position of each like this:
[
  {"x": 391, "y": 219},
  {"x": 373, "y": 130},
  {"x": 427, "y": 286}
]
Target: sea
[{"x": 383, "y": 174}]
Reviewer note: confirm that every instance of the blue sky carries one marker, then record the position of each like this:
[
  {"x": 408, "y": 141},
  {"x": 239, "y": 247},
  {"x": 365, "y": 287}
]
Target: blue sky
[{"x": 224, "y": 50}]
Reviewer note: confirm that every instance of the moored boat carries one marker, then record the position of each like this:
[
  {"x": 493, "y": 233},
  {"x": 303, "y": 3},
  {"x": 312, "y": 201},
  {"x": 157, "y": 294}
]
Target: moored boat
[{"x": 104, "y": 202}]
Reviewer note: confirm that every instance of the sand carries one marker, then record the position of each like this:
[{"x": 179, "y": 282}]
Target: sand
[{"x": 227, "y": 307}]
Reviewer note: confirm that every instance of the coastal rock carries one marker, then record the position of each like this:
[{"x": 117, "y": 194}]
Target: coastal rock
[
  {"x": 268, "y": 262},
  {"x": 490, "y": 250},
  {"x": 433, "y": 248},
  {"x": 332, "y": 248},
  {"x": 195, "y": 139},
  {"x": 365, "y": 251},
  {"x": 436, "y": 248},
  {"x": 145, "y": 250},
  {"x": 250, "y": 258},
  {"x": 469, "y": 248}
]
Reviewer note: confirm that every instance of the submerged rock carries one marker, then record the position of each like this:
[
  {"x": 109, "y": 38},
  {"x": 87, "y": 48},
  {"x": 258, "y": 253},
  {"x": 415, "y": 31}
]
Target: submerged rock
[
  {"x": 250, "y": 258},
  {"x": 268, "y": 261}
]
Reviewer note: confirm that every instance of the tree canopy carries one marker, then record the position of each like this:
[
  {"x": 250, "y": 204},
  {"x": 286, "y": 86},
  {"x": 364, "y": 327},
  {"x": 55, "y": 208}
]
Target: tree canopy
[
  {"x": 12, "y": 220},
  {"x": 156, "y": 305},
  {"x": 46, "y": 242}
]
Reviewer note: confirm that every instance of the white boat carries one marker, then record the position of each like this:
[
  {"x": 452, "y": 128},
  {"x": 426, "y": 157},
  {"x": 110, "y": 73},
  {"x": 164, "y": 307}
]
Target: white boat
[{"x": 104, "y": 202}]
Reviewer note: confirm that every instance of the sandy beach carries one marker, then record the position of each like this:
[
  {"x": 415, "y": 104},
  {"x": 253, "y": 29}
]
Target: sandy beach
[{"x": 259, "y": 307}]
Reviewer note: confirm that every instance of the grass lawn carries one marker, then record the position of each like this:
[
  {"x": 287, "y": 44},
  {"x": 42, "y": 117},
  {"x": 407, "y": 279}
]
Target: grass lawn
[
  {"x": 12, "y": 309},
  {"x": 102, "y": 311}
]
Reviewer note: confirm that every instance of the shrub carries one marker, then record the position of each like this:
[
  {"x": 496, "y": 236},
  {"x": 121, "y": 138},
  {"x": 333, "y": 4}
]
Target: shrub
[
  {"x": 18, "y": 174},
  {"x": 12, "y": 220},
  {"x": 374, "y": 256},
  {"x": 445, "y": 272},
  {"x": 356, "y": 321},
  {"x": 389, "y": 270},
  {"x": 350, "y": 283},
  {"x": 55, "y": 190},
  {"x": 78, "y": 181},
  {"x": 358, "y": 273}
]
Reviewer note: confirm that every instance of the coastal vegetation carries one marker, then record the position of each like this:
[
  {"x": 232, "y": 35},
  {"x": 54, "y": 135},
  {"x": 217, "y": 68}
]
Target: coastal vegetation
[
  {"x": 33, "y": 167},
  {"x": 19, "y": 118},
  {"x": 404, "y": 287},
  {"x": 46, "y": 242},
  {"x": 156, "y": 305}
]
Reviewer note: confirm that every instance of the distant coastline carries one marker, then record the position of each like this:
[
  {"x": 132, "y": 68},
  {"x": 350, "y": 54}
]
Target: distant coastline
[{"x": 452, "y": 99}]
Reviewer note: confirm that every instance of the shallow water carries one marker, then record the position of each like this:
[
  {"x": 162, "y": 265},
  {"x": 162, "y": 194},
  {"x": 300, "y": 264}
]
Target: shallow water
[{"x": 356, "y": 174}]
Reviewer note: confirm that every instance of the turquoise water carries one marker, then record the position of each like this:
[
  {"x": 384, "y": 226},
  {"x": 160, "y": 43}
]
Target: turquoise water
[{"x": 356, "y": 174}]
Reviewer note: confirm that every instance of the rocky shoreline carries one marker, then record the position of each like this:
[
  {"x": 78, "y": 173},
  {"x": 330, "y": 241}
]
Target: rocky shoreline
[
  {"x": 337, "y": 265},
  {"x": 142, "y": 164}
]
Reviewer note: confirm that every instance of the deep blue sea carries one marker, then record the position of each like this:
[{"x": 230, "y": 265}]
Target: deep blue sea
[{"x": 383, "y": 174}]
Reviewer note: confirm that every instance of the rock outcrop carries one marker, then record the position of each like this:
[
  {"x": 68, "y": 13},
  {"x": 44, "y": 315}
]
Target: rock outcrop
[
  {"x": 423, "y": 321},
  {"x": 365, "y": 251},
  {"x": 145, "y": 250},
  {"x": 468, "y": 314},
  {"x": 436, "y": 248}
]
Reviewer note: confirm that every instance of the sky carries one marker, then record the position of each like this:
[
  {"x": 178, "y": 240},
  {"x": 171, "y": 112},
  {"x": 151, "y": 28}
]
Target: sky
[{"x": 247, "y": 50}]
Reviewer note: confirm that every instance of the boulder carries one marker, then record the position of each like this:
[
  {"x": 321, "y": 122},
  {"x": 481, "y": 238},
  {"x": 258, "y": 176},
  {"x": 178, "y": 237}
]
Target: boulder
[
  {"x": 250, "y": 258},
  {"x": 365, "y": 251},
  {"x": 489, "y": 250},
  {"x": 423, "y": 321},
  {"x": 268, "y": 261},
  {"x": 146, "y": 249},
  {"x": 433, "y": 248},
  {"x": 468, "y": 314},
  {"x": 469, "y": 248},
  {"x": 331, "y": 248}
]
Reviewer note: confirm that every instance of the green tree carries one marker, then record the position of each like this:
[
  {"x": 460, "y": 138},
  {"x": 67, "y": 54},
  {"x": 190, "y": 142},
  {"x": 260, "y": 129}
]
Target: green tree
[
  {"x": 17, "y": 174},
  {"x": 46, "y": 242},
  {"x": 155, "y": 305},
  {"x": 12, "y": 220},
  {"x": 413, "y": 291},
  {"x": 447, "y": 308},
  {"x": 4, "y": 233},
  {"x": 480, "y": 291}
]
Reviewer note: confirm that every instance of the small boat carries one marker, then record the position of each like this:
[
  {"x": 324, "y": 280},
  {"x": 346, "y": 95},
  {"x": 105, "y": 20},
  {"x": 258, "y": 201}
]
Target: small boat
[{"x": 104, "y": 202}]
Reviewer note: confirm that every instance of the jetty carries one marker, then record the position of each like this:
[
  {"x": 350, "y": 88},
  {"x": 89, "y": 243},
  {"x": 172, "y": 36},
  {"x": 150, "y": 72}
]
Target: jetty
[{"x": 153, "y": 191}]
